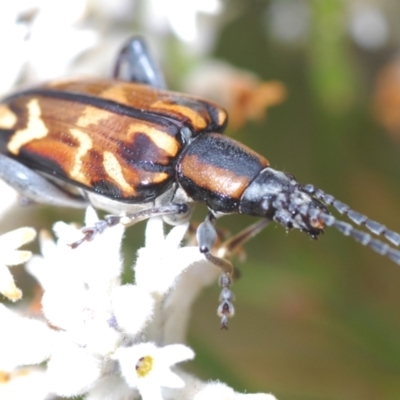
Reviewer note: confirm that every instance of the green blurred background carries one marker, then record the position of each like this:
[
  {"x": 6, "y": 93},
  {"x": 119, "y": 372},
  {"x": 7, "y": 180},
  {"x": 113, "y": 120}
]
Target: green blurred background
[{"x": 315, "y": 320}]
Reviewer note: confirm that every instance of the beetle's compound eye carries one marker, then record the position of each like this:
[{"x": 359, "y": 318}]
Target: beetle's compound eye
[{"x": 317, "y": 224}]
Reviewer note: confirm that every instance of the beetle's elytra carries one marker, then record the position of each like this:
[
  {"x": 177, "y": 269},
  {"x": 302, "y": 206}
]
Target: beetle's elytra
[
  {"x": 118, "y": 139},
  {"x": 130, "y": 147}
]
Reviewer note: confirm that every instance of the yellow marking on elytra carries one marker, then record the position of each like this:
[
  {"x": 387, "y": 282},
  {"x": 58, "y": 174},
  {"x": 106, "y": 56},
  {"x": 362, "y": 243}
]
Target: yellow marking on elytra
[
  {"x": 195, "y": 118},
  {"x": 160, "y": 177},
  {"x": 92, "y": 115},
  {"x": 35, "y": 129},
  {"x": 115, "y": 93},
  {"x": 125, "y": 93},
  {"x": 55, "y": 83},
  {"x": 114, "y": 171},
  {"x": 161, "y": 139},
  {"x": 7, "y": 118},
  {"x": 85, "y": 144},
  {"x": 222, "y": 116}
]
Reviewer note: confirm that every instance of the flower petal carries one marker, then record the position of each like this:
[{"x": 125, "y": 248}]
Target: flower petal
[
  {"x": 16, "y": 257},
  {"x": 7, "y": 285},
  {"x": 25, "y": 383},
  {"x": 175, "y": 353},
  {"x": 23, "y": 341},
  {"x": 71, "y": 370},
  {"x": 158, "y": 268},
  {"x": 17, "y": 238},
  {"x": 126, "y": 297},
  {"x": 154, "y": 232},
  {"x": 171, "y": 380}
]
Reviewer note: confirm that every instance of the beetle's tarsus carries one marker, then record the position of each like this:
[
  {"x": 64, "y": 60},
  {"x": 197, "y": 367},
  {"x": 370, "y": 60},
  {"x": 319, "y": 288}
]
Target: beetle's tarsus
[
  {"x": 224, "y": 323},
  {"x": 90, "y": 232},
  {"x": 225, "y": 309}
]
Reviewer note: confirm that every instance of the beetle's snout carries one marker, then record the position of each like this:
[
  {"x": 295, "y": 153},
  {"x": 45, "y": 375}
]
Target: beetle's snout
[
  {"x": 278, "y": 196},
  {"x": 293, "y": 208},
  {"x": 314, "y": 213}
]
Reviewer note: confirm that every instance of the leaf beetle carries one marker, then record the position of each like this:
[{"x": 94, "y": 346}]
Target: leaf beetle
[{"x": 130, "y": 147}]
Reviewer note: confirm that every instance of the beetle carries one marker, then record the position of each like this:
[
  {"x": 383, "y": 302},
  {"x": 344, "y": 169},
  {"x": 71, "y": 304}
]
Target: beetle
[{"x": 128, "y": 146}]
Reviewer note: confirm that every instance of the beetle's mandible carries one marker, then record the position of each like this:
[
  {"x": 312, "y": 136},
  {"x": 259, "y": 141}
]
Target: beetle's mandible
[{"x": 129, "y": 147}]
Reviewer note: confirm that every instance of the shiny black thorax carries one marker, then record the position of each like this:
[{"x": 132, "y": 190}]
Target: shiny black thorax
[{"x": 216, "y": 170}]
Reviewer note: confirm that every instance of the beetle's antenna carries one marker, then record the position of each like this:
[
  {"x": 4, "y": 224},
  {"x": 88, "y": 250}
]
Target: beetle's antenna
[{"x": 347, "y": 229}]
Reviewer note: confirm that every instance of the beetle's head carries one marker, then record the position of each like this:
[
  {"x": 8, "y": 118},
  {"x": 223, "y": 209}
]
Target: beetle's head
[{"x": 279, "y": 197}]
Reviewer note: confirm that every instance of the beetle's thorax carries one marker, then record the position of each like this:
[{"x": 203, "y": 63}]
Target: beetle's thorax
[
  {"x": 278, "y": 196},
  {"x": 217, "y": 170}
]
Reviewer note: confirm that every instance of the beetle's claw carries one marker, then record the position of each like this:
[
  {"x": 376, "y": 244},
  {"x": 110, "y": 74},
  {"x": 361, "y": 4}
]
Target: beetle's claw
[
  {"x": 88, "y": 235},
  {"x": 224, "y": 322},
  {"x": 225, "y": 311},
  {"x": 90, "y": 232},
  {"x": 76, "y": 244}
]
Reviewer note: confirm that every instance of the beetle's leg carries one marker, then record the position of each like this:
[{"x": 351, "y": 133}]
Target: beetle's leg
[
  {"x": 34, "y": 186},
  {"x": 234, "y": 243},
  {"x": 130, "y": 219},
  {"x": 206, "y": 238},
  {"x": 135, "y": 64}
]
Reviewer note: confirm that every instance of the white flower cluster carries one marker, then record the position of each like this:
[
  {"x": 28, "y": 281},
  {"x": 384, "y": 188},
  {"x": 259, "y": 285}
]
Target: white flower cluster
[{"x": 97, "y": 337}]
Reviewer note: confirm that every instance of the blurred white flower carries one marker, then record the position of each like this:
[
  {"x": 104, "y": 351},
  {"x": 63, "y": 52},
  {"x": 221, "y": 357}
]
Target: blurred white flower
[
  {"x": 42, "y": 39},
  {"x": 199, "y": 390},
  {"x": 289, "y": 21},
  {"x": 221, "y": 391},
  {"x": 188, "y": 20},
  {"x": 24, "y": 383},
  {"x": 57, "y": 38},
  {"x": 10, "y": 256},
  {"x": 23, "y": 341},
  {"x": 8, "y": 198},
  {"x": 13, "y": 34},
  {"x": 369, "y": 26}
]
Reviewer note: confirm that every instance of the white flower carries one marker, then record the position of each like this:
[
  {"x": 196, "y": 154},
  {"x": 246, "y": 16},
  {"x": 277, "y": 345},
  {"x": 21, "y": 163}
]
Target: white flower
[
  {"x": 23, "y": 383},
  {"x": 51, "y": 55},
  {"x": 162, "y": 260},
  {"x": 162, "y": 265},
  {"x": 23, "y": 341},
  {"x": 12, "y": 43},
  {"x": 42, "y": 39},
  {"x": 199, "y": 390},
  {"x": 147, "y": 367},
  {"x": 182, "y": 18},
  {"x": 221, "y": 391},
  {"x": 104, "y": 339},
  {"x": 85, "y": 276},
  {"x": 8, "y": 198},
  {"x": 10, "y": 256},
  {"x": 94, "y": 316}
]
